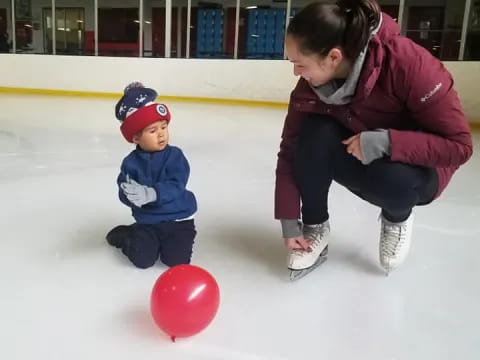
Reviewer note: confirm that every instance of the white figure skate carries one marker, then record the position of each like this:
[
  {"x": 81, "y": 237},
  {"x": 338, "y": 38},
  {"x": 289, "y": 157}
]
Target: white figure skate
[
  {"x": 301, "y": 262},
  {"x": 395, "y": 241}
]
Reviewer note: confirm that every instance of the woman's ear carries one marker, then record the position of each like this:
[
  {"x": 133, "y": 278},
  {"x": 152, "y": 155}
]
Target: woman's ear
[{"x": 335, "y": 56}]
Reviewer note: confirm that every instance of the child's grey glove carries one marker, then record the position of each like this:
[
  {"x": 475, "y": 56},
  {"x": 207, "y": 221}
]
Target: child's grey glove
[{"x": 138, "y": 194}]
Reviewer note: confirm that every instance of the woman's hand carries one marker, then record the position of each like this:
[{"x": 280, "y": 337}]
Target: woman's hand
[
  {"x": 353, "y": 146},
  {"x": 298, "y": 243}
]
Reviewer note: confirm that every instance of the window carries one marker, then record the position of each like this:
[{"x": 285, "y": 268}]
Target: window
[
  {"x": 5, "y": 28},
  {"x": 437, "y": 26},
  {"x": 118, "y": 28},
  {"x": 69, "y": 38},
  {"x": 209, "y": 29},
  {"x": 472, "y": 46}
]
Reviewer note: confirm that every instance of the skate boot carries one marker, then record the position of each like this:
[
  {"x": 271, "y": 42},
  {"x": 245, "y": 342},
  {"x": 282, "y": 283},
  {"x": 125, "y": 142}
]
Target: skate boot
[
  {"x": 395, "y": 241},
  {"x": 116, "y": 237},
  {"x": 301, "y": 262}
]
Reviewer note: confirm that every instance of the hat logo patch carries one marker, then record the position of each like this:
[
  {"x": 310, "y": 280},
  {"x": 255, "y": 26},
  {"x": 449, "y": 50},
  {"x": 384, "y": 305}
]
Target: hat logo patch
[{"x": 162, "y": 110}]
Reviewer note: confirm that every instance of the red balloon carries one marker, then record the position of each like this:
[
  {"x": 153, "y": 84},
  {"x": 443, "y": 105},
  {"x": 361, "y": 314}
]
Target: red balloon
[{"x": 184, "y": 300}]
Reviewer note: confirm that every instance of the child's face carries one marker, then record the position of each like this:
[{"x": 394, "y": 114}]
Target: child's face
[{"x": 154, "y": 137}]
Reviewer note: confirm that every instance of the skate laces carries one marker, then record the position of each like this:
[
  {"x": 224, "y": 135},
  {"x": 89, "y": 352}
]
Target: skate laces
[
  {"x": 314, "y": 233},
  {"x": 393, "y": 236}
]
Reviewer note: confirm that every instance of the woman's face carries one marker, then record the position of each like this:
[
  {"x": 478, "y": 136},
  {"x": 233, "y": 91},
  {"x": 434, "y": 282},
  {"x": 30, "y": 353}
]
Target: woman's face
[{"x": 317, "y": 70}]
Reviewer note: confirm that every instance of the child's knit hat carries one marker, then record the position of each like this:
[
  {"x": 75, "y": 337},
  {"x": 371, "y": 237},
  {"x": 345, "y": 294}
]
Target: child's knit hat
[
  {"x": 139, "y": 119},
  {"x": 136, "y": 110}
]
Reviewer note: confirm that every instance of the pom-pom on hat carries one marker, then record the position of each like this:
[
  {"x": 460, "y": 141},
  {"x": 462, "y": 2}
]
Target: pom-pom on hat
[{"x": 134, "y": 96}]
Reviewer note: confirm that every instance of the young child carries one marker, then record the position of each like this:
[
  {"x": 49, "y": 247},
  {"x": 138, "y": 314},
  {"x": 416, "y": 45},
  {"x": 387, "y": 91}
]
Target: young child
[{"x": 152, "y": 182}]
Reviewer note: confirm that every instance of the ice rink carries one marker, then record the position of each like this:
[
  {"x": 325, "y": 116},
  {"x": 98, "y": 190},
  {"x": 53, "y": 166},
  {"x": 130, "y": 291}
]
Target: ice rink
[{"x": 66, "y": 294}]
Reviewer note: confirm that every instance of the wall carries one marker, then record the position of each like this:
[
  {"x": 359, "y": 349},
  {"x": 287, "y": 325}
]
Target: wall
[
  {"x": 231, "y": 79},
  {"x": 254, "y": 80},
  {"x": 467, "y": 83}
]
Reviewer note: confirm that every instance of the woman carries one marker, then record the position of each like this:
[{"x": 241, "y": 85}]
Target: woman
[{"x": 372, "y": 111}]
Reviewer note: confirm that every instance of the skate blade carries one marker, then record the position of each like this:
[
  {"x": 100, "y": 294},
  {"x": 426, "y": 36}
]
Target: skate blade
[
  {"x": 386, "y": 269},
  {"x": 298, "y": 274}
]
